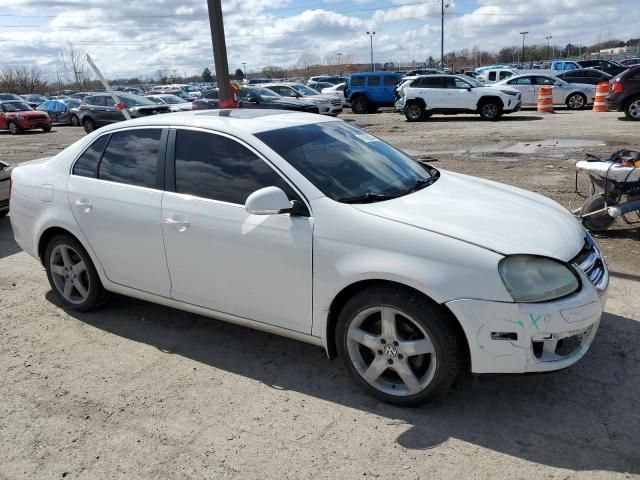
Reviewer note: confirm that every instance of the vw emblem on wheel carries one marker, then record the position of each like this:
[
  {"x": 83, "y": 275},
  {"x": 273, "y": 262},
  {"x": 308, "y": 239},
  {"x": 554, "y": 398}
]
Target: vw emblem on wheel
[{"x": 390, "y": 351}]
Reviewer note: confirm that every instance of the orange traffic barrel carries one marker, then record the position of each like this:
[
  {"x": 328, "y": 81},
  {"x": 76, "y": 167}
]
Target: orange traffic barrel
[
  {"x": 545, "y": 99},
  {"x": 602, "y": 90}
]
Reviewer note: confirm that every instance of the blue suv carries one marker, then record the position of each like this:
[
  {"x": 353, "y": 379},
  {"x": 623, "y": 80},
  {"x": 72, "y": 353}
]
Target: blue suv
[{"x": 368, "y": 91}]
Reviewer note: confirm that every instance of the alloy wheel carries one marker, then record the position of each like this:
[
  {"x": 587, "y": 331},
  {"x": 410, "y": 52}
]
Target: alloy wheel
[
  {"x": 576, "y": 102},
  {"x": 634, "y": 109},
  {"x": 489, "y": 110},
  {"x": 413, "y": 112},
  {"x": 69, "y": 273},
  {"x": 391, "y": 351}
]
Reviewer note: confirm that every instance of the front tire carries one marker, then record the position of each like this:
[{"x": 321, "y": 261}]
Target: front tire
[
  {"x": 74, "y": 121},
  {"x": 72, "y": 275},
  {"x": 397, "y": 345},
  {"x": 89, "y": 125},
  {"x": 596, "y": 223},
  {"x": 46, "y": 129},
  {"x": 14, "y": 128},
  {"x": 576, "y": 101},
  {"x": 360, "y": 105},
  {"x": 632, "y": 109},
  {"x": 414, "y": 112},
  {"x": 490, "y": 110}
]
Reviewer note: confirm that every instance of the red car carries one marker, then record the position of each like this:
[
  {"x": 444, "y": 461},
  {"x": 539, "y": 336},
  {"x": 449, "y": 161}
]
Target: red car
[{"x": 17, "y": 116}]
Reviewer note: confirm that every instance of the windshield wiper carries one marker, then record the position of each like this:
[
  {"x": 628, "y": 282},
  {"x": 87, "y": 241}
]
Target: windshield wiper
[
  {"x": 419, "y": 185},
  {"x": 368, "y": 197}
]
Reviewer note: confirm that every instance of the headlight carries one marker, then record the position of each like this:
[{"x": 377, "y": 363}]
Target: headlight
[
  {"x": 509, "y": 92},
  {"x": 536, "y": 279},
  {"x": 20, "y": 117}
]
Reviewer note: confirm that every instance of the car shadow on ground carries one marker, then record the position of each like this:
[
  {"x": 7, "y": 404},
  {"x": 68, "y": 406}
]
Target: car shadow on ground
[
  {"x": 456, "y": 118},
  {"x": 27, "y": 132},
  {"x": 8, "y": 245},
  {"x": 584, "y": 418}
]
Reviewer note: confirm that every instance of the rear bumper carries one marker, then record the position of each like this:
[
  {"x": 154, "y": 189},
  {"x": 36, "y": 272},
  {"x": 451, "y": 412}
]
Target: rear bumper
[{"x": 614, "y": 106}]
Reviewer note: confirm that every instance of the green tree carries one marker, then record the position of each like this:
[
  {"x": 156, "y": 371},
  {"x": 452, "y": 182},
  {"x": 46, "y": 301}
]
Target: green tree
[{"x": 206, "y": 75}]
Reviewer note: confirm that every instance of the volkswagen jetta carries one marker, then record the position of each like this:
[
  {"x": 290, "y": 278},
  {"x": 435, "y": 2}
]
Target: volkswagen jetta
[{"x": 308, "y": 227}]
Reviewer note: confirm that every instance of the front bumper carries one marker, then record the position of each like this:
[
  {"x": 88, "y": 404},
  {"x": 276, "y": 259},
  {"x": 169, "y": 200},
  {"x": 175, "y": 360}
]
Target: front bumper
[
  {"x": 515, "y": 109},
  {"x": 27, "y": 124},
  {"x": 536, "y": 337}
]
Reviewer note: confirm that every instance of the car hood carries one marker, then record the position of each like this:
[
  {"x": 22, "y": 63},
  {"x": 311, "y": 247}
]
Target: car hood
[
  {"x": 491, "y": 215},
  {"x": 29, "y": 113}
]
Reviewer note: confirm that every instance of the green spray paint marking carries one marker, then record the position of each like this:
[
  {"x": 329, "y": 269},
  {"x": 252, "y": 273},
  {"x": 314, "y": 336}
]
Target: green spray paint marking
[
  {"x": 478, "y": 337},
  {"x": 519, "y": 322},
  {"x": 534, "y": 321}
]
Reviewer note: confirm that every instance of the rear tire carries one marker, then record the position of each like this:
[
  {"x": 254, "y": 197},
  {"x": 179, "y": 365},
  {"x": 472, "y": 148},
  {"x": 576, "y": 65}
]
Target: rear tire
[
  {"x": 72, "y": 275},
  {"x": 46, "y": 129},
  {"x": 89, "y": 125},
  {"x": 360, "y": 105},
  {"x": 398, "y": 346},
  {"x": 596, "y": 223},
  {"x": 74, "y": 121},
  {"x": 632, "y": 109},
  {"x": 4, "y": 214},
  {"x": 414, "y": 112}
]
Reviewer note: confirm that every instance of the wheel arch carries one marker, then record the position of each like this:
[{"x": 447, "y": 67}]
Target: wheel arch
[
  {"x": 487, "y": 98},
  {"x": 48, "y": 234},
  {"x": 340, "y": 300},
  {"x": 417, "y": 100}
]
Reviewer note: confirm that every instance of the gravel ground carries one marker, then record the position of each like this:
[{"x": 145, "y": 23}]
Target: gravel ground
[{"x": 142, "y": 391}]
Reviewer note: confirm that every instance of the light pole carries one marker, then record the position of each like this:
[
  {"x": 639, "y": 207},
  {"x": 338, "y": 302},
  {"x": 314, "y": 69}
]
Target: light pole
[
  {"x": 339, "y": 55},
  {"x": 524, "y": 34},
  {"x": 442, "y": 35},
  {"x": 549, "y": 46},
  {"x": 244, "y": 69},
  {"x": 371, "y": 34}
]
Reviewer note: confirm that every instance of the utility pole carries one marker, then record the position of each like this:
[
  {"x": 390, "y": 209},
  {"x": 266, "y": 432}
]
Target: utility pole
[
  {"x": 549, "y": 46},
  {"x": 442, "y": 35},
  {"x": 339, "y": 55},
  {"x": 524, "y": 59},
  {"x": 244, "y": 69},
  {"x": 220, "y": 54},
  {"x": 371, "y": 34}
]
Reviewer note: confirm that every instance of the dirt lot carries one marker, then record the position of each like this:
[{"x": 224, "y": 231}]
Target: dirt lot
[{"x": 142, "y": 391}]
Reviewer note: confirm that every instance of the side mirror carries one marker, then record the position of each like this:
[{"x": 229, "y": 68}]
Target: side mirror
[{"x": 268, "y": 201}]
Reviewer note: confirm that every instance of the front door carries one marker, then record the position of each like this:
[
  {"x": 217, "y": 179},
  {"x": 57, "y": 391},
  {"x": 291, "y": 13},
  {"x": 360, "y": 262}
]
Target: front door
[
  {"x": 459, "y": 94},
  {"x": 219, "y": 256},
  {"x": 116, "y": 199}
]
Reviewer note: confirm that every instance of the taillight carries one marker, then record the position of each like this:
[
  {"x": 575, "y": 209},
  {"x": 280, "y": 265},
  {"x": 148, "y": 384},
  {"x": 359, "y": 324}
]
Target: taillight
[
  {"x": 83, "y": 107},
  {"x": 616, "y": 87}
]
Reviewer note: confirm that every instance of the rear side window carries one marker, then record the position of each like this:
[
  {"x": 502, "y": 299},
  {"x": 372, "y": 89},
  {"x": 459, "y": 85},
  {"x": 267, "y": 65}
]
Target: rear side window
[
  {"x": 431, "y": 82},
  {"x": 390, "y": 81},
  {"x": 87, "y": 164},
  {"x": 374, "y": 81},
  {"x": 521, "y": 81},
  {"x": 357, "y": 81},
  {"x": 504, "y": 75},
  {"x": 492, "y": 76},
  {"x": 132, "y": 158},
  {"x": 219, "y": 168}
]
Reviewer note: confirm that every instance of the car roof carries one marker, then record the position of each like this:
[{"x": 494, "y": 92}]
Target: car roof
[{"x": 228, "y": 120}]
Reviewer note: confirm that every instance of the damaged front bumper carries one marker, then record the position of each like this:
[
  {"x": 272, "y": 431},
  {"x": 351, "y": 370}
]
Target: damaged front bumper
[{"x": 537, "y": 337}]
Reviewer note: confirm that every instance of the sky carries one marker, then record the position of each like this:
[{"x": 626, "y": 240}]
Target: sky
[{"x": 140, "y": 37}]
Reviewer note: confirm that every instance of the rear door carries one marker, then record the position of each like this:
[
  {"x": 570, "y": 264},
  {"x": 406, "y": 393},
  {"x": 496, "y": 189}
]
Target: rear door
[
  {"x": 374, "y": 88},
  {"x": 115, "y": 194},
  {"x": 389, "y": 83}
]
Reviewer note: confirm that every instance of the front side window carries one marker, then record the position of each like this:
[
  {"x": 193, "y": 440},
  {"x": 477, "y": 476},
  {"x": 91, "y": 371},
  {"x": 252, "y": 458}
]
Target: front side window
[
  {"x": 219, "y": 168},
  {"x": 346, "y": 163},
  {"x": 87, "y": 163},
  {"x": 132, "y": 158},
  {"x": 521, "y": 81},
  {"x": 544, "y": 81}
]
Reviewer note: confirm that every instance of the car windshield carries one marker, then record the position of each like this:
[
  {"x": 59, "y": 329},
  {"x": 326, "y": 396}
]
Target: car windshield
[
  {"x": 134, "y": 100},
  {"x": 16, "y": 107},
  {"x": 347, "y": 163},
  {"x": 304, "y": 90},
  {"x": 472, "y": 81},
  {"x": 172, "y": 99},
  {"x": 265, "y": 94}
]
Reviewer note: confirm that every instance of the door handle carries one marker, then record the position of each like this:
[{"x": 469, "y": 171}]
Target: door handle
[
  {"x": 84, "y": 205},
  {"x": 180, "y": 225}
]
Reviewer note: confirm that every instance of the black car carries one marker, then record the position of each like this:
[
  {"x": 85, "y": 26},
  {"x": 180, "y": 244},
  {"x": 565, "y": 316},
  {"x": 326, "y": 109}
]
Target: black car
[
  {"x": 624, "y": 94},
  {"x": 256, "y": 97},
  {"x": 612, "y": 68},
  {"x": 591, "y": 76},
  {"x": 100, "y": 109}
]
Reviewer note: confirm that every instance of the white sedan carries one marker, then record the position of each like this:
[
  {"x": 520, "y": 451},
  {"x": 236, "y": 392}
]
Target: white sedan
[
  {"x": 176, "y": 104},
  {"x": 575, "y": 96},
  {"x": 308, "y": 227}
]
